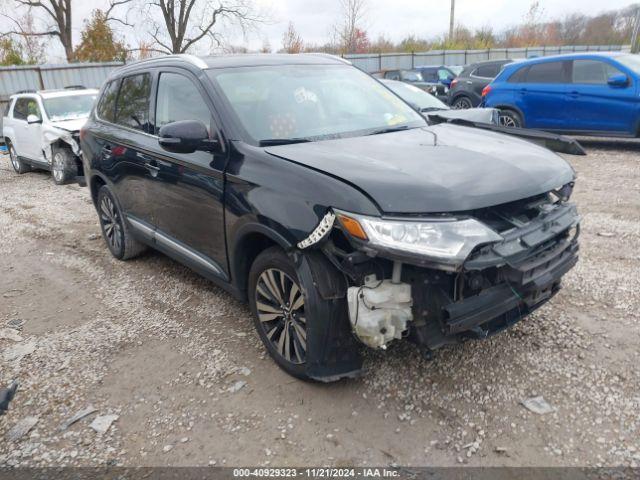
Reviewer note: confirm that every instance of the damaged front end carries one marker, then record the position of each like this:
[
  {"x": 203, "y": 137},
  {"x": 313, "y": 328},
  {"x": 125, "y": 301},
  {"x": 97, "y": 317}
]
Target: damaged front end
[{"x": 442, "y": 279}]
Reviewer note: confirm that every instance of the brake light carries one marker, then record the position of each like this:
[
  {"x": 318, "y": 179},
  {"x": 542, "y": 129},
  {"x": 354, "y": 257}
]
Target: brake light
[
  {"x": 486, "y": 90},
  {"x": 454, "y": 82}
]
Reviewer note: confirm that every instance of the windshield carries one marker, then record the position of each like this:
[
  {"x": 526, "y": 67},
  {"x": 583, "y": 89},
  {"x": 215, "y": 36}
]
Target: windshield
[
  {"x": 456, "y": 69},
  {"x": 415, "y": 96},
  {"x": 311, "y": 102},
  {"x": 69, "y": 107},
  {"x": 632, "y": 62}
]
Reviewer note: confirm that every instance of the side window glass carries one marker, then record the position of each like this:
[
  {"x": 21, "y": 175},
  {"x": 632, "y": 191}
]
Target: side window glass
[
  {"x": 132, "y": 106},
  {"x": 549, "y": 72},
  {"x": 486, "y": 71},
  {"x": 443, "y": 74},
  {"x": 593, "y": 72},
  {"x": 20, "y": 109},
  {"x": 25, "y": 107},
  {"x": 519, "y": 76},
  {"x": 179, "y": 99},
  {"x": 107, "y": 105}
]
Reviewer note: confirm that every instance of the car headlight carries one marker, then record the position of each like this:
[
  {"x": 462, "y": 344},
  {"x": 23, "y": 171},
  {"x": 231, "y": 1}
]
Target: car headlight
[{"x": 448, "y": 241}]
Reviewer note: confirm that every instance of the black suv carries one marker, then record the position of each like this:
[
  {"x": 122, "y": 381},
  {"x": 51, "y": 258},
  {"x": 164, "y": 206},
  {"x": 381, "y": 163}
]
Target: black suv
[
  {"x": 466, "y": 90},
  {"x": 304, "y": 185}
]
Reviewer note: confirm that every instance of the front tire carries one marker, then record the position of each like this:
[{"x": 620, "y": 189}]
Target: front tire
[
  {"x": 18, "y": 165},
  {"x": 510, "y": 118},
  {"x": 278, "y": 306},
  {"x": 115, "y": 231},
  {"x": 64, "y": 168}
]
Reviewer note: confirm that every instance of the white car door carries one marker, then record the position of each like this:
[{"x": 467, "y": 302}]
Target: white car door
[{"x": 28, "y": 135}]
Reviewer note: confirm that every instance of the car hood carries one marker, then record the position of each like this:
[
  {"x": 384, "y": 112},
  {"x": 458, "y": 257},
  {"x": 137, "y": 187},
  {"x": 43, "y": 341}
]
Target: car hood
[
  {"x": 482, "y": 115},
  {"x": 71, "y": 125},
  {"x": 442, "y": 168}
]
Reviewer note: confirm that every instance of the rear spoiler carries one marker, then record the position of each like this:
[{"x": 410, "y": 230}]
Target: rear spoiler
[{"x": 552, "y": 141}]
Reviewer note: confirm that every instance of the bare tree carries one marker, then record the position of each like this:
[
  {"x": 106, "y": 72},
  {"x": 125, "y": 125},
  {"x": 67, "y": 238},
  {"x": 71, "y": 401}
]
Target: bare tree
[
  {"x": 57, "y": 20},
  {"x": 354, "y": 13},
  {"x": 292, "y": 41},
  {"x": 186, "y": 22}
]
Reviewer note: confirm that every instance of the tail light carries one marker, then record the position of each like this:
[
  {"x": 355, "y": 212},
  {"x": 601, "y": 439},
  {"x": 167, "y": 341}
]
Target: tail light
[
  {"x": 454, "y": 82},
  {"x": 486, "y": 90}
]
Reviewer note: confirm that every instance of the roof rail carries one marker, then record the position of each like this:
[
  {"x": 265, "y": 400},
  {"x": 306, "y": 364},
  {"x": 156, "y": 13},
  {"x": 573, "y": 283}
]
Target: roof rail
[
  {"x": 25, "y": 91},
  {"x": 75, "y": 87},
  {"x": 198, "y": 62},
  {"x": 330, "y": 55}
]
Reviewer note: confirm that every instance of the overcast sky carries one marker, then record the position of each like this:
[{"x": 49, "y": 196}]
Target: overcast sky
[{"x": 394, "y": 18}]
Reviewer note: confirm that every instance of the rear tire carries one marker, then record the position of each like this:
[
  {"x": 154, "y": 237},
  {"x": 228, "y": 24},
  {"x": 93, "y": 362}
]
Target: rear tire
[
  {"x": 462, "y": 103},
  {"x": 115, "y": 231},
  {"x": 277, "y": 303},
  {"x": 510, "y": 118},
  {"x": 18, "y": 165},
  {"x": 64, "y": 168}
]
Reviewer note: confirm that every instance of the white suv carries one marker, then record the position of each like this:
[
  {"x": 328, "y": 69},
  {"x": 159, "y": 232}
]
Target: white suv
[{"x": 41, "y": 130}]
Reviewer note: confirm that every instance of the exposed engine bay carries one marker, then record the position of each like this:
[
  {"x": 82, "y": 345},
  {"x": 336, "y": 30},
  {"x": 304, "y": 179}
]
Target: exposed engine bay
[{"x": 393, "y": 295}]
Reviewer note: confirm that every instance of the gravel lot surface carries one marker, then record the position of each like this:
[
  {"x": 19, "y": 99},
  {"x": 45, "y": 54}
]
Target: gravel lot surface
[{"x": 177, "y": 376}]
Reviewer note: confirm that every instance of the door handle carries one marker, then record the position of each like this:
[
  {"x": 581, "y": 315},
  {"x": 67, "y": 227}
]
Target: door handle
[
  {"x": 523, "y": 91},
  {"x": 574, "y": 94},
  {"x": 152, "y": 167}
]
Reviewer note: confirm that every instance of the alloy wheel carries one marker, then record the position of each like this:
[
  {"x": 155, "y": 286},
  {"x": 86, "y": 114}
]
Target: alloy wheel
[
  {"x": 58, "y": 167},
  {"x": 461, "y": 104},
  {"x": 111, "y": 224},
  {"x": 507, "y": 121},
  {"x": 14, "y": 158},
  {"x": 280, "y": 308}
]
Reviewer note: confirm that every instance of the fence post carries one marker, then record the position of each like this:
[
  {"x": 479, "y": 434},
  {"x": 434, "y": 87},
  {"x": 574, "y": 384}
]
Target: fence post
[
  {"x": 413, "y": 59},
  {"x": 380, "y": 61},
  {"x": 40, "y": 79}
]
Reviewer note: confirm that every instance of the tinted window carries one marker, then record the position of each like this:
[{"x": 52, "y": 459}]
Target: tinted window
[
  {"x": 487, "y": 71},
  {"x": 25, "y": 107},
  {"x": 107, "y": 105},
  {"x": 179, "y": 99},
  {"x": 593, "y": 71},
  {"x": 550, "y": 72},
  {"x": 519, "y": 76},
  {"x": 132, "y": 108},
  {"x": 392, "y": 75}
]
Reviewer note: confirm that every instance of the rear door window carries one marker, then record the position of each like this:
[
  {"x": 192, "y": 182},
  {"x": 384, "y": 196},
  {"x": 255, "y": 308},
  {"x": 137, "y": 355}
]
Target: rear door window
[
  {"x": 107, "y": 106},
  {"x": 593, "y": 72},
  {"x": 179, "y": 99},
  {"x": 132, "y": 106},
  {"x": 486, "y": 71},
  {"x": 548, "y": 72}
]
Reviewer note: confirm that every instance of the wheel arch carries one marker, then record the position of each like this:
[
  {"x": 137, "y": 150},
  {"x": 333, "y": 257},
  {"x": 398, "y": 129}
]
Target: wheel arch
[
  {"x": 507, "y": 106},
  {"x": 95, "y": 183},
  {"x": 251, "y": 240}
]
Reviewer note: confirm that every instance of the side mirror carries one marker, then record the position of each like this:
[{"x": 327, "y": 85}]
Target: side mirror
[
  {"x": 187, "y": 136},
  {"x": 619, "y": 81},
  {"x": 31, "y": 119}
]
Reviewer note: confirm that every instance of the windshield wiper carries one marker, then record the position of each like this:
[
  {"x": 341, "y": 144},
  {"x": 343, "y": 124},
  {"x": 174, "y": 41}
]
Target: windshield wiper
[
  {"x": 389, "y": 130},
  {"x": 270, "y": 142}
]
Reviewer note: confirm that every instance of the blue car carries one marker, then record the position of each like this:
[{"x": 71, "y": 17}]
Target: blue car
[{"x": 581, "y": 94}]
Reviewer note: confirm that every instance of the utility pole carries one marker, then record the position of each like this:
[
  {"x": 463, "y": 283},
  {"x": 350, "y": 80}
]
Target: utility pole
[
  {"x": 635, "y": 44},
  {"x": 452, "y": 19}
]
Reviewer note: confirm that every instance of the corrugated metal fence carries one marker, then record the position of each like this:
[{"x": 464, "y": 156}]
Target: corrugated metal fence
[
  {"x": 42, "y": 77},
  {"x": 388, "y": 61}
]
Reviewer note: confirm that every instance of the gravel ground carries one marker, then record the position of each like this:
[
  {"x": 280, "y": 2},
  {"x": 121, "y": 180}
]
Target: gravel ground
[{"x": 177, "y": 376}]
